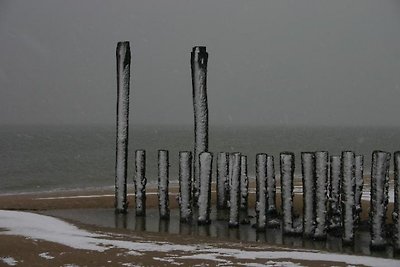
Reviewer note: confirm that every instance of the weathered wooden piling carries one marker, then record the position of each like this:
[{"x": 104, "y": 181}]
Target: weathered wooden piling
[
  {"x": 359, "y": 176},
  {"x": 244, "y": 184},
  {"x": 287, "y": 176},
  {"x": 204, "y": 200},
  {"x": 334, "y": 193},
  {"x": 140, "y": 182},
  {"x": 198, "y": 61},
  {"x": 261, "y": 192},
  {"x": 396, "y": 210},
  {"x": 321, "y": 196},
  {"x": 163, "y": 183},
  {"x": 347, "y": 197},
  {"x": 271, "y": 187},
  {"x": 234, "y": 191},
  {"x": 379, "y": 198},
  {"x": 222, "y": 180},
  {"x": 123, "y": 54},
  {"x": 308, "y": 172},
  {"x": 185, "y": 186}
]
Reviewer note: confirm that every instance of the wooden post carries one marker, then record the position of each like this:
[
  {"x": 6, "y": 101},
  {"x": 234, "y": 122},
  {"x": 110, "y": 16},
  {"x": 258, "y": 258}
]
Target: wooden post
[
  {"x": 359, "y": 175},
  {"x": 140, "y": 182},
  {"x": 234, "y": 189},
  {"x": 321, "y": 196},
  {"x": 204, "y": 201},
  {"x": 163, "y": 183},
  {"x": 379, "y": 198},
  {"x": 334, "y": 193},
  {"x": 347, "y": 197},
  {"x": 222, "y": 180},
  {"x": 198, "y": 61},
  {"x": 396, "y": 210},
  {"x": 287, "y": 176},
  {"x": 308, "y": 172},
  {"x": 123, "y": 54},
  {"x": 185, "y": 186},
  {"x": 261, "y": 192},
  {"x": 244, "y": 184},
  {"x": 271, "y": 187}
]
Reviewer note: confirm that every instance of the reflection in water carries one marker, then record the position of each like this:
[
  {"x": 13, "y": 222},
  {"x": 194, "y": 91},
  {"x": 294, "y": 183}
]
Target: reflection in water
[
  {"x": 203, "y": 230},
  {"x": 185, "y": 229},
  {"x": 217, "y": 229},
  {"x": 121, "y": 221},
  {"x": 163, "y": 226},
  {"x": 140, "y": 223},
  {"x": 234, "y": 233},
  {"x": 292, "y": 240}
]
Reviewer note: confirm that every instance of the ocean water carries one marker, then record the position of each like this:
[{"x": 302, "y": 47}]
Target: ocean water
[{"x": 42, "y": 158}]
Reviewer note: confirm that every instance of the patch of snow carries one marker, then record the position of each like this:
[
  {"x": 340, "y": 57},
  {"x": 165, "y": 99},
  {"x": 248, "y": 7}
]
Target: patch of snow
[
  {"x": 170, "y": 260},
  {"x": 274, "y": 263},
  {"x": 9, "y": 261},
  {"x": 46, "y": 256}
]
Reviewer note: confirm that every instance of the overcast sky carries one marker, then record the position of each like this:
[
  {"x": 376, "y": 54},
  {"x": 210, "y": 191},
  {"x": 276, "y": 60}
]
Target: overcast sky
[{"x": 308, "y": 62}]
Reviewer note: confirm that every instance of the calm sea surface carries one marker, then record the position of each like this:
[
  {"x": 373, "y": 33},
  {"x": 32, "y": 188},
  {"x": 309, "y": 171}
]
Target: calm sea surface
[{"x": 41, "y": 158}]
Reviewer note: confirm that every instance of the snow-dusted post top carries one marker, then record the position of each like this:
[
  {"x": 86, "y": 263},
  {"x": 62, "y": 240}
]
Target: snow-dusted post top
[
  {"x": 379, "y": 198},
  {"x": 348, "y": 186},
  {"x": 198, "y": 62},
  {"x": 140, "y": 182},
  {"x": 123, "y": 54},
  {"x": 163, "y": 183},
  {"x": 308, "y": 172},
  {"x": 185, "y": 186},
  {"x": 396, "y": 210}
]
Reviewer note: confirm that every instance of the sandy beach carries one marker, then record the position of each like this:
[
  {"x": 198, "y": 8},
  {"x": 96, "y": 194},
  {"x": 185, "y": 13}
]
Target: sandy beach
[{"x": 35, "y": 239}]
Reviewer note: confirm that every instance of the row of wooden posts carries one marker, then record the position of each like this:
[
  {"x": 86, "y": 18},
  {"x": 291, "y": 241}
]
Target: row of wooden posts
[
  {"x": 332, "y": 190},
  {"x": 332, "y": 186}
]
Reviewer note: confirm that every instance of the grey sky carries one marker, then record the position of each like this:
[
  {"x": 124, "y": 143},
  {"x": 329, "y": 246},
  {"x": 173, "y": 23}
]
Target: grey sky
[{"x": 309, "y": 62}]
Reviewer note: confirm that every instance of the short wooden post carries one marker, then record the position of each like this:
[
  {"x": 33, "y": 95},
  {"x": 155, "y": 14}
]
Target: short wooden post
[
  {"x": 379, "y": 198},
  {"x": 163, "y": 184},
  {"x": 185, "y": 186},
  {"x": 222, "y": 180},
  {"x": 308, "y": 172},
  {"x": 261, "y": 192},
  {"x": 347, "y": 197},
  {"x": 234, "y": 196},
  {"x": 204, "y": 201},
  {"x": 140, "y": 182}
]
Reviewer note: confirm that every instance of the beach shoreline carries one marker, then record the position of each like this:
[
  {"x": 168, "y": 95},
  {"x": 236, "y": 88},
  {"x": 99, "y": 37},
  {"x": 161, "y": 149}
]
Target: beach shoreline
[{"x": 103, "y": 198}]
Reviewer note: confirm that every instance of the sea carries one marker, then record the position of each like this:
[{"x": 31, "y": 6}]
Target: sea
[{"x": 50, "y": 158}]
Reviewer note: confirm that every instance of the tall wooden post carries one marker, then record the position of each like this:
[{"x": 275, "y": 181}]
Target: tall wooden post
[
  {"x": 123, "y": 54},
  {"x": 198, "y": 61}
]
